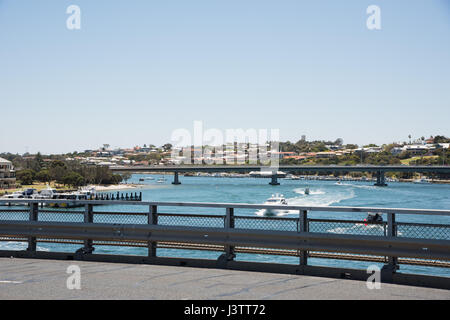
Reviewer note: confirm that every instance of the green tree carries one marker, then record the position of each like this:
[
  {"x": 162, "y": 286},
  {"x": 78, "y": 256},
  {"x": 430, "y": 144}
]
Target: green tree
[
  {"x": 74, "y": 179},
  {"x": 26, "y": 176},
  {"x": 43, "y": 176}
]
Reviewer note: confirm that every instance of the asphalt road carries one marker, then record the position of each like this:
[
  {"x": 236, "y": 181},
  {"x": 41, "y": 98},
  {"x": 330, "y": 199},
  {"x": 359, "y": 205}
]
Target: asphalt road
[{"x": 47, "y": 279}]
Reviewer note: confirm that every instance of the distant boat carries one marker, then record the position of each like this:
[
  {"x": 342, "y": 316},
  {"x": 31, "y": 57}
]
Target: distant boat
[
  {"x": 306, "y": 190},
  {"x": 266, "y": 174},
  {"x": 161, "y": 180},
  {"x": 422, "y": 180}
]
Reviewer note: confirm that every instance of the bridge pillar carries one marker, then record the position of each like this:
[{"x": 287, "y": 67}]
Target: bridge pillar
[
  {"x": 274, "y": 181},
  {"x": 175, "y": 178},
  {"x": 381, "y": 180}
]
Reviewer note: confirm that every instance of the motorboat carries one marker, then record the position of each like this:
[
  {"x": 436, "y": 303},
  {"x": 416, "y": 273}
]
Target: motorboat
[
  {"x": 21, "y": 194},
  {"x": 30, "y": 193},
  {"x": 306, "y": 190},
  {"x": 374, "y": 217},
  {"x": 47, "y": 193},
  {"x": 90, "y": 192},
  {"x": 422, "y": 180},
  {"x": 275, "y": 199},
  {"x": 14, "y": 195}
]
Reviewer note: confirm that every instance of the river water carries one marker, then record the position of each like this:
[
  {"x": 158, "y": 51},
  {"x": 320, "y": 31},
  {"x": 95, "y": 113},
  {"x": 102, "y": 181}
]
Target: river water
[{"x": 256, "y": 191}]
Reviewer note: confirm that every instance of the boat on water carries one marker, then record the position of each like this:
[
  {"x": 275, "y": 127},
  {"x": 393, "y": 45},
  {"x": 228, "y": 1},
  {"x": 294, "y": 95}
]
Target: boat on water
[
  {"x": 14, "y": 195},
  {"x": 275, "y": 199},
  {"x": 45, "y": 194},
  {"x": 161, "y": 180},
  {"x": 374, "y": 217},
  {"x": 266, "y": 174},
  {"x": 422, "y": 180},
  {"x": 306, "y": 190},
  {"x": 147, "y": 178}
]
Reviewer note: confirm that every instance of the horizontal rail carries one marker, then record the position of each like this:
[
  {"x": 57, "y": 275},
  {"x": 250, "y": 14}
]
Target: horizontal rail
[
  {"x": 266, "y": 251},
  {"x": 359, "y": 244},
  {"x": 245, "y": 206}
]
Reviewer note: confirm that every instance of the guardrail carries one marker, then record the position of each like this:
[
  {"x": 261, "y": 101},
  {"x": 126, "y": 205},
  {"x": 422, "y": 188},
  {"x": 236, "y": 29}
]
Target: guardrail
[{"x": 389, "y": 242}]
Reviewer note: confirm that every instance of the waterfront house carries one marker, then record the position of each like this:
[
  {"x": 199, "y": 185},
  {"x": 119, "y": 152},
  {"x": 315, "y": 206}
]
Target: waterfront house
[
  {"x": 326, "y": 154},
  {"x": 7, "y": 174}
]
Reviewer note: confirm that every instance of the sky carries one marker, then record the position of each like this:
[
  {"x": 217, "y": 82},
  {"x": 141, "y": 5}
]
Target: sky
[{"x": 136, "y": 71}]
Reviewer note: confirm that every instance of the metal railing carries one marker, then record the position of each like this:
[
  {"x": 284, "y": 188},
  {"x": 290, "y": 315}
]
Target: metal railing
[{"x": 298, "y": 235}]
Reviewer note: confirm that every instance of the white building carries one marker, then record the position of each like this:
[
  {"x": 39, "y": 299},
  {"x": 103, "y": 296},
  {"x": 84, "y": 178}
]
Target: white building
[{"x": 7, "y": 174}]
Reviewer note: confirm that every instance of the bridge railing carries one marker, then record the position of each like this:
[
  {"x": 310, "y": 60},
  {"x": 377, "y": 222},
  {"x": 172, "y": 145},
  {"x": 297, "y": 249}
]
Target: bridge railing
[{"x": 229, "y": 229}]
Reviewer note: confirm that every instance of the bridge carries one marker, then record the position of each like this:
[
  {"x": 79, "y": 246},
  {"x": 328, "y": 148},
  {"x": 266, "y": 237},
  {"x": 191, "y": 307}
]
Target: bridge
[
  {"x": 379, "y": 171},
  {"x": 231, "y": 231}
]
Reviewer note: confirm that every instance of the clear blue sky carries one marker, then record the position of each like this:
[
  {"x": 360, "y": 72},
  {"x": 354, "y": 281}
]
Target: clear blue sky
[{"x": 137, "y": 70}]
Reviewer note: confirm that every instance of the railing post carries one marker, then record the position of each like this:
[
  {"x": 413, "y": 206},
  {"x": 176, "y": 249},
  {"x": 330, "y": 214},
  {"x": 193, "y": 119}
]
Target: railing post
[
  {"x": 34, "y": 210},
  {"x": 153, "y": 220},
  {"x": 303, "y": 227},
  {"x": 88, "y": 218},
  {"x": 229, "y": 224},
  {"x": 229, "y": 254},
  {"x": 390, "y": 268}
]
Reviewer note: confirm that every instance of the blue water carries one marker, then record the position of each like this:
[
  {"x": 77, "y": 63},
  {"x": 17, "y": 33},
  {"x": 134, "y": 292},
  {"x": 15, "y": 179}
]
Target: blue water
[{"x": 256, "y": 191}]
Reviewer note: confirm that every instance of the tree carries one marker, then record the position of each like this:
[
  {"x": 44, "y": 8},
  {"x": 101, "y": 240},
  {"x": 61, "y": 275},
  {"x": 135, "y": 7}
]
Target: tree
[
  {"x": 26, "y": 176},
  {"x": 43, "y": 176},
  {"x": 73, "y": 179},
  {"x": 57, "y": 171},
  {"x": 125, "y": 176},
  {"x": 441, "y": 139}
]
